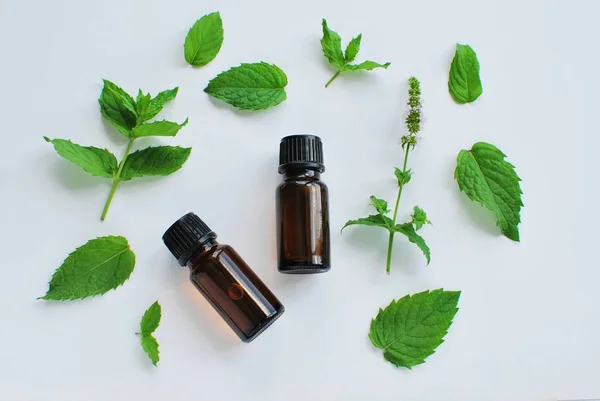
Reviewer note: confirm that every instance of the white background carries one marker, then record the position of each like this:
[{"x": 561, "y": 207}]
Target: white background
[{"x": 528, "y": 326}]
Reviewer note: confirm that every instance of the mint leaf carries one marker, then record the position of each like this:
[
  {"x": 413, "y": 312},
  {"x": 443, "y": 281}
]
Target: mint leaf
[
  {"x": 159, "y": 160},
  {"x": 408, "y": 230},
  {"x": 419, "y": 218},
  {"x": 158, "y": 128},
  {"x": 150, "y": 346},
  {"x": 204, "y": 40},
  {"x": 410, "y": 329},
  {"x": 150, "y": 108},
  {"x": 148, "y": 325},
  {"x": 464, "y": 82},
  {"x": 488, "y": 179},
  {"x": 402, "y": 176},
  {"x": 250, "y": 86},
  {"x": 96, "y": 161},
  {"x": 141, "y": 104},
  {"x": 380, "y": 205},
  {"x": 365, "y": 65},
  {"x": 331, "y": 43},
  {"x": 376, "y": 220},
  {"x": 352, "y": 49},
  {"x": 101, "y": 265},
  {"x": 151, "y": 319},
  {"x": 118, "y": 108}
]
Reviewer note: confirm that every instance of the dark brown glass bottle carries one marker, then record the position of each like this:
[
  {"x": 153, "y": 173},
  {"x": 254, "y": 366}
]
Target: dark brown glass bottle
[
  {"x": 302, "y": 207},
  {"x": 222, "y": 276}
]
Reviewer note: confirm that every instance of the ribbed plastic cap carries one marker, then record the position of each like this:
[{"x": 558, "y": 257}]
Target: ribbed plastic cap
[
  {"x": 301, "y": 151},
  {"x": 186, "y": 236}
]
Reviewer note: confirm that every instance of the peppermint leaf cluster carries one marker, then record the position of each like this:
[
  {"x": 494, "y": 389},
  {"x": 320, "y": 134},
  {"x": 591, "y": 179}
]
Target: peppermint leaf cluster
[
  {"x": 148, "y": 325},
  {"x": 101, "y": 265},
  {"x": 331, "y": 43},
  {"x": 418, "y": 218},
  {"x": 410, "y": 329},
  {"x": 131, "y": 118}
]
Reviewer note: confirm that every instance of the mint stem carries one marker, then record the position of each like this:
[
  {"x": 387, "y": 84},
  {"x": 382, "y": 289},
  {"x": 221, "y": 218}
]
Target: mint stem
[
  {"x": 332, "y": 78},
  {"x": 116, "y": 180},
  {"x": 391, "y": 240}
]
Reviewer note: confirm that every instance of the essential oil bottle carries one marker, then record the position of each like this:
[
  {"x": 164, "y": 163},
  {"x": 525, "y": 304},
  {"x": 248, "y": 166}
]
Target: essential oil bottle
[
  {"x": 302, "y": 207},
  {"x": 222, "y": 276}
]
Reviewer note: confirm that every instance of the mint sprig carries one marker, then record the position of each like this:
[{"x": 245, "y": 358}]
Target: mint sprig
[
  {"x": 130, "y": 117},
  {"x": 410, "y": 329},
  {"x": 488, "y": 179},
  {"x": 101, "y": 265},
  {"x": 331, "y": 43},
  {"x": 148, "y": 325},
  {"x": 419, "y": 217}
]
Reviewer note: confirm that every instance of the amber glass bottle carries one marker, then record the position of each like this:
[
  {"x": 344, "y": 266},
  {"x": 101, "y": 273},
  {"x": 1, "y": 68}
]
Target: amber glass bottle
[
  {"x": 225, "y": 280},
  {"x": 302, "y": 207}
]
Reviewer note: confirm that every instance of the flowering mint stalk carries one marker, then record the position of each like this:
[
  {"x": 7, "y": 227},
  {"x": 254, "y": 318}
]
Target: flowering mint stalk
[{"x": 418, "y": 217}]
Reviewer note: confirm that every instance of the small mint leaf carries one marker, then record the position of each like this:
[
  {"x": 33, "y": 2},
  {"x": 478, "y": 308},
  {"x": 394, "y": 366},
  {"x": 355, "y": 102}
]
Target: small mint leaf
[
  {"x": 204, "y": 40},
  {"x": 96, "y": 161},
  {"x": 402, "y": 176},
  {"x": 155, "y": 104},
  {"x": 150, "y": 346},
  {"x": 365, "y": 65},
  {"x": 409, "y": 231},
  {"x": 118, "y": 108},
  {"x": 331, "y": 44},
  {"x": 353, "y": 49},
  {"x": 152, "y": 161},
  {"x": 380, "y": 205},
  {"x": 151, "y": 319},
  {"x": 376, "y": 220},
  {"x": 158, "y": 128},
  {"x": 419, "y": 218}
]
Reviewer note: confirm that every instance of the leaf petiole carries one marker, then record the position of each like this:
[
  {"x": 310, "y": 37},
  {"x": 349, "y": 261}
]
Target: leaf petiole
[
  {"x": 116, "y": 180},
  {"x": 337, "y": 74}
]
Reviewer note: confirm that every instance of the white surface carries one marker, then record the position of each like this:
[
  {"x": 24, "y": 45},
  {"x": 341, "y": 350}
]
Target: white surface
[{"x": 528, "y": 327}]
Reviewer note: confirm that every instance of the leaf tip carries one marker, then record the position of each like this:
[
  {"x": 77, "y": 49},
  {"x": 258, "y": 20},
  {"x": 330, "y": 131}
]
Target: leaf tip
[{"x": 47, "y": 139}]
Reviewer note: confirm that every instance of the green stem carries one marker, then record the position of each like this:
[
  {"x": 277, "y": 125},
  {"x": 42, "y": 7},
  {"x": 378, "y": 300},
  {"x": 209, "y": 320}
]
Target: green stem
[
  {"x": 116, "y": 180},
  {"x": 332, "y": 78},
  {"x": 391, "y": 240}
]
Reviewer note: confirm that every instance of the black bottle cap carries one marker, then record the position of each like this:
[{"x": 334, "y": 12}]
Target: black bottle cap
[
  {"x": 301, "y": 151},
  {"x": 186, "y": 236}
]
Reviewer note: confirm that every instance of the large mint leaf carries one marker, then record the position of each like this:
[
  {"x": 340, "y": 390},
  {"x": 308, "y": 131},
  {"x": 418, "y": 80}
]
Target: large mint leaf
[
  {"x": 152, "y": 161},
  {"x": 204, "y": 40},
  {"x": 118, "y": 108},
  {"x": 250, "y": 86},
  {"x": 96, "y": 161},
  {"x": 410, "y": 329},
  {"x": 484, "y": 175},
  {"x": 102, "y": 264},
  {"x": 464, "y": 82}
]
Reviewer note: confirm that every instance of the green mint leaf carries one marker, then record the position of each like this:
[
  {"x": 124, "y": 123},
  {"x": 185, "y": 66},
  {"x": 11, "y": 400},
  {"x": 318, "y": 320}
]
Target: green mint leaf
[
  {"x": 380, "y": 205},
  {"x": 331, "y": 43},
  {"x": 464, "y": 82},
  {"x": 365, "y": 65},
  {"x": 152, "y": 161},
  {"x": 151, "y": 319},
  {"x": 410, "y": 329},
  {"x": 250, "y": 86},
  {"x": 486, "y": 178},
  {"x": 101, "y": 265},
  {"x": 352, "y": 49},
  {"x": 419, "y": 218},
  {"x": 118, "y": 108},
  {"x": 141, "y": 104},
  {"x": 204, "y": 40},
  {"x": 157, "y": 128},
  {"x": 402, "y": 176},
  {"x": 150, "y": 346},
  {"x": 376, "y": 220},
  {"x": 408, "y": 230},
  {"x": 154, "y": 105},
  {"x": 96, "y": 161}
]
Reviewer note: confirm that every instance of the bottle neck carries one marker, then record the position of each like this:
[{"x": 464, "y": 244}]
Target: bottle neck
[
  {"x": 295, "y": 173},
  {"x": 202, "y": 250}
]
